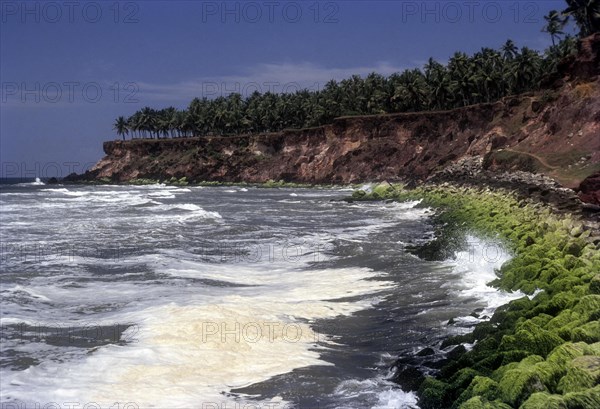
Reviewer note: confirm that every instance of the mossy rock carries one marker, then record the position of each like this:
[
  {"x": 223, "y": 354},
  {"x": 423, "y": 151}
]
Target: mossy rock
[
  {"x": 588, "y": 399},
  {"x": 551, "y": 271},
  {"x": 577, "y": 230},
  {"x": 588, "y": 305},
  {"x": 595, "y": 285},
  {"x": 589, "y": 332},
  {"x": 532, "y": 338},
  {"x": 514, "y": 356},
  {"x": 384, "y": 190},
  {"x": 529, "y": 376},
  {"x": 518, "y": 384},
  {"x": 567, "y": 283},
  {"x": 520, "y": 304},
  {"x": 479, "y": 403},
  {"x": 574, "y": 247},
  {"x": 557, "y": 303},
  {"x": 458, "y": 339},
  {"x": 462, "y": 379},
  {"x": 566, "y": 352},
  {"x": 541, "y": 320},
  {"x": 483, "y": 331},
  {"x": 142, "y": 181},
  {"x": 528, "y": 287},
  {"x": 544, "y": 400},
  {"x": 571, "y": 262},
  {"x": 566, "y": 318},
  {"x": 484, "y": 387},
  {"x": 359, "y": 194},
  {"x": 433, "y": 394},
  {"x": 583, "y": 373},
  {"x": 489, "y": 361}
]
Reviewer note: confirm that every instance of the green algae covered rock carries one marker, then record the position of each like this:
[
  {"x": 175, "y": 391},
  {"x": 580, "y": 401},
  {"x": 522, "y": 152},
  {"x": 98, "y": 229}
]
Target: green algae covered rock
[
  {"x": 359, "y": 194},
  {"x": 544, "y": 400},
  {"x": 574, "y": 247},
  {"x": 383, "y": 191},
  {"x": 532, "y": 338},
  {"x": 588, "y": 399},
  {"x": 519, "y": 380},
  {"x": 568, "y": 351},
  {"x": 588, "y": 303},
  {"x": 595, "y": 285},
  {"x": 481, "y": 386},
  {"x": 484, "y": 386},
  {"x": 518, "y": 384},
  {"x": 479, "y": 403},
  {"x": 433, "y": 394},
  {"x": 583, "y": 373},
  {"x": 589, "y": 332},
  {"x": 143, "y": 181}
]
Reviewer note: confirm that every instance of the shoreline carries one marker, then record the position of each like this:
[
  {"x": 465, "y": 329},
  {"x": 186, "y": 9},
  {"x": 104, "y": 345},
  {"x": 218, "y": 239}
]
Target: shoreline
[
  {"x": 555, "y": 249},
  {"x": 532, "y": 352}
]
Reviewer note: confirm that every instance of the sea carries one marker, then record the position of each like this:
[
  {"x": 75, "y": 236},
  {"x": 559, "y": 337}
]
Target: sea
[{"x": 159, "y": 296}]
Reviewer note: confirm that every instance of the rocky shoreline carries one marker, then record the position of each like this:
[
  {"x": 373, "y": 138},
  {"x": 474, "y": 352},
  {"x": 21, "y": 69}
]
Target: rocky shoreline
[
  {"x": 537, "y": 351},
  {"x": 472, "y": 171}
]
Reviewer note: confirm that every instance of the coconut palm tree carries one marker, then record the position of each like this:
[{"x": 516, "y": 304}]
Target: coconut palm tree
[
  {"x": 509, "y": 50},
  {"x": 586, "y": 14},
  {"x": 554, "y": 25},
  {"x": 121, "y": 126},
  {"x": 485, "y": 76}
]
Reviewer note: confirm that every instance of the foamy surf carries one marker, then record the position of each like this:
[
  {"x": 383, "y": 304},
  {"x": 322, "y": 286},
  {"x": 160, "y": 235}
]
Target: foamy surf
[
  {"x": 388, "y": 395},
  {"x": 477, "y": 266},
  {"x": 251, "y": 298},
  {"x": 36, "y": 182},
  {"x": 201, "y": 352}
]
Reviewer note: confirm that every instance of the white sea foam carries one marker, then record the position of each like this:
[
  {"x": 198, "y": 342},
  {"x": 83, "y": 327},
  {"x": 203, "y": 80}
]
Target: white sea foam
[
  {"x": 57, "y": 190},
  {"x": 382, "y": 394},
  {"x": 200, "y": 351},
  {"x": 184, "y": 211},
  {"x": 175, "y": 358},
  {"x": 477, "y": 267},
  {"x": 15, "y": 320},
  {"x": 37, "y": 182},
  {"x": 30, "y": 292}
]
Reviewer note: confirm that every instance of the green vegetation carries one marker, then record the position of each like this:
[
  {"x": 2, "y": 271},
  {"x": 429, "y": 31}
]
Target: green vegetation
[
  {"x": 486, "y": 76},
  {"x": 183, "y": 181},
  {"x": 143, "y": 181},
  {"x": 542, "y": 352}
]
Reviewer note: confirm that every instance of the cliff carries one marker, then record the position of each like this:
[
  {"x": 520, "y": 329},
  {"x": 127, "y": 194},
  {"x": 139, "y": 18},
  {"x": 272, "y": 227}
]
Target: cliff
[{"x": 555, "y": 132}]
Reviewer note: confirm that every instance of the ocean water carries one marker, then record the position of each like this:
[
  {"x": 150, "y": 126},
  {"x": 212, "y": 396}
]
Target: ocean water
[{"x": 221, "y": 297}]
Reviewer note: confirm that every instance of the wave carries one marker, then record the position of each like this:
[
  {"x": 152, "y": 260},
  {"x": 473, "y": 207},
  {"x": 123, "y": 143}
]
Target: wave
[
  {"x": 202, "y": 351},
  {"x": 185, "y": 211},
  {"x": 37, "y": 182},
  {"x": 376, "y": 393},
  {"x": 20, "y": 290},
  {"x": 477, "y": 267},
  {"x": 57, "y": 190}
]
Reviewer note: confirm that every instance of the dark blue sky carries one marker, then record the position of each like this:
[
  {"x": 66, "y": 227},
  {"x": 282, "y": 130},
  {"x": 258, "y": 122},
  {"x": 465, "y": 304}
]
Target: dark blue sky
[{"x": 69, "y": 69}]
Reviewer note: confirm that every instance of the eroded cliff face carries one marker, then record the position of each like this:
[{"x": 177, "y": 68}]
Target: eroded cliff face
[{"x": 556, "y": 132}]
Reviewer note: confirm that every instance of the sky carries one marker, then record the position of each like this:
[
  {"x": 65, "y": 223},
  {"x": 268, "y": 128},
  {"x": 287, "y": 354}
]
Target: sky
[{"x": 68, "y": 69}]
